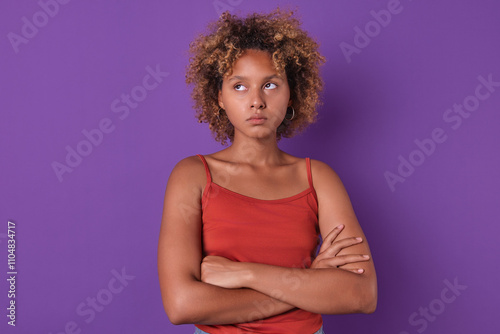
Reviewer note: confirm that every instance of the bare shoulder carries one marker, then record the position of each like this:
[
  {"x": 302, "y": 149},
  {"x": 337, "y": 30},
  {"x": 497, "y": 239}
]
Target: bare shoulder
[
  {"x": 329, "y": 187},
  {"x": 182, "y": 204},
  {"x": 323, "y": 175},
  {"x": 320, "y": 167},
  {"x": 187, "y": 164},
  {"x": 189, "y": 170}
]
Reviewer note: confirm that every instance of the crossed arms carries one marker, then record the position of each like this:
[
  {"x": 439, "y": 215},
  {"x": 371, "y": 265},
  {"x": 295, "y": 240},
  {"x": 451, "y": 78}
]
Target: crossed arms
[{"x": 215, "y": 290}]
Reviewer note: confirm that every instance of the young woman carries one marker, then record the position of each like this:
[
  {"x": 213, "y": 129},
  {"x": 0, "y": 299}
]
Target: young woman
[{"x": 240, "y": 227}]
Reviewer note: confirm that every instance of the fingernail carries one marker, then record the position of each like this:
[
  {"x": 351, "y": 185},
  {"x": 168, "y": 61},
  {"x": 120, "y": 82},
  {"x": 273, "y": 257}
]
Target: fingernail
[
  {"x": 366, "y": 256},
  {"x": 340, "y": 226},
  {"x": 360, "y": 270},
  {"x": 359, "y": 239}
]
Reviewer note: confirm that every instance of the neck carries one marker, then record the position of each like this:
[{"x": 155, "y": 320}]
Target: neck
[{"x": 256, "y": 151}]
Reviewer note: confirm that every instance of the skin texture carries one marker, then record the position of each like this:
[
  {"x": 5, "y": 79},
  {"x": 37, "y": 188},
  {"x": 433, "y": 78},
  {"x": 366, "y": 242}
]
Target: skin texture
[
  {"x": 215, "y": 290},
  {"x": 260, "y": 86}
]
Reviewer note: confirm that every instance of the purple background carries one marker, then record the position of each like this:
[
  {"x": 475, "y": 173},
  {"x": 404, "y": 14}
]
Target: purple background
[{"x": 440, "y": 224}]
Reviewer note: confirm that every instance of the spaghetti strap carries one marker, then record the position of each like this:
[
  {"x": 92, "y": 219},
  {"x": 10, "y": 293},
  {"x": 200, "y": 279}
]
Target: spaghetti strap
[
  {"x": 207, "y": 170},
  {"x": 309, "y": 178},
  {"x": 309, "y": 175}
]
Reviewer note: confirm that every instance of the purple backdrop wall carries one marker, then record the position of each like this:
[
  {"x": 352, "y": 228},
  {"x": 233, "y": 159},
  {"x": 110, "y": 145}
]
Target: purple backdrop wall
[{"x": 95, "y": 114}]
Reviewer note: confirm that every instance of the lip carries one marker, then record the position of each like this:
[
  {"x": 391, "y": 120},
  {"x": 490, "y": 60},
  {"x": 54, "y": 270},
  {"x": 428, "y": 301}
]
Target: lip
[{"x": 256, "y": 120}]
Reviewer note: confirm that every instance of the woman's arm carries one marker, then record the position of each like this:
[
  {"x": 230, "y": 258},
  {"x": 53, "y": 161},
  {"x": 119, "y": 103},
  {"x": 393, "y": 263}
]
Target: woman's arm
[
  {"x": 186, "y": 299},
  {"x": 327, "y": 290}
]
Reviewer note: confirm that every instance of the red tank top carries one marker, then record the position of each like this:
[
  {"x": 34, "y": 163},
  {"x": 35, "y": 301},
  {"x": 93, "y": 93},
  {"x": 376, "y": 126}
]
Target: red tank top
[{"x": 281, "y": 232}]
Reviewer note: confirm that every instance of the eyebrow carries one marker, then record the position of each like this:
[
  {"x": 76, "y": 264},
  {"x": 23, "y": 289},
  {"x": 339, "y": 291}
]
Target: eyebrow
[{"x": 239, "y": 77}]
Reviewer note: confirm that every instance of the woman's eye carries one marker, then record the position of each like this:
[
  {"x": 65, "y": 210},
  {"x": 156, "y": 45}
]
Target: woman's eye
[
  {"x": 239, "y": 87},
  {"x": 270, "y": 85}
]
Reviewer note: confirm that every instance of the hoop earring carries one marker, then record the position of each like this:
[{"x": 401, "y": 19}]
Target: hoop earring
[{"x": 293, "y": 114}]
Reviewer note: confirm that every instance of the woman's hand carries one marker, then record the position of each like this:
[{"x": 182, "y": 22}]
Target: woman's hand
[
  {"x": 327, "y": 256},
  {"x": 218, "y": 270}
]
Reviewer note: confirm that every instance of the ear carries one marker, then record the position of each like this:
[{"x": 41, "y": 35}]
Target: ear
[
  {"x": 290, "y": 103},
  {"x": 221, "y": 104}
]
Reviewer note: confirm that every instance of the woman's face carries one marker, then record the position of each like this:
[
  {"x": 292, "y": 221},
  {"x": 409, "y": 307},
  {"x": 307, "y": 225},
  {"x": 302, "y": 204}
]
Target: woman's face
[{"x": 255, "y": 96}]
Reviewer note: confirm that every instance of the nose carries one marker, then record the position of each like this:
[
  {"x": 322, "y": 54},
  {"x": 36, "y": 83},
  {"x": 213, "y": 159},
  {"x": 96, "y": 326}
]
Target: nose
[{"x": 257, "y": 100}]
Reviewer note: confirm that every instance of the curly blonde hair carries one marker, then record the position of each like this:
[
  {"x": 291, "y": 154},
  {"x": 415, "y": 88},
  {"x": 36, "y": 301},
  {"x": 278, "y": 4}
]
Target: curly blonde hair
[{"x": 292, "y": 50}]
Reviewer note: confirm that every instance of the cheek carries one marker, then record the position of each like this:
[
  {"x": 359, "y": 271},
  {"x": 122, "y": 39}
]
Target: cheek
[
  {"x": 230, "y": 99},
  {"x": 278, "y": 117}
]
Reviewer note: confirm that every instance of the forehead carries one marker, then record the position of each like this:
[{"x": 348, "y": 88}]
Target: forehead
[{"x": 254, "y": 63}]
